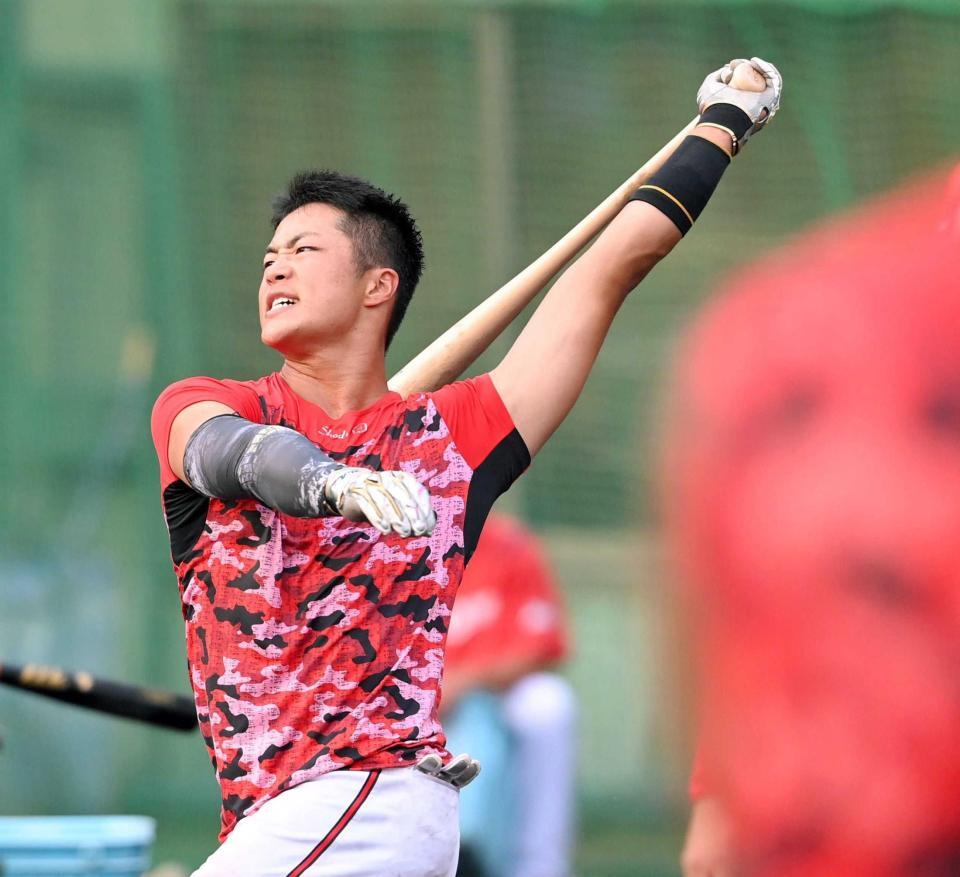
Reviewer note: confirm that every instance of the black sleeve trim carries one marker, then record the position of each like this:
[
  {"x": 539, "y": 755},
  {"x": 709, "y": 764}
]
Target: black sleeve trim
[
  {"x": 186, "y": 514},
  {"x": 502, "y": 466}
]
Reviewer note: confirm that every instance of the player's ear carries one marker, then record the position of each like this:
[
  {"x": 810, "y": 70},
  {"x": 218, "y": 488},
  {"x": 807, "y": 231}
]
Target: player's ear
[{"x": 381, "y": 286}]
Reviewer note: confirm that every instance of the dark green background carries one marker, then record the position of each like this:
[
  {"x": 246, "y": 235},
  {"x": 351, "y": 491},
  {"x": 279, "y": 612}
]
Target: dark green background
[{"x": 140, "y": 143}]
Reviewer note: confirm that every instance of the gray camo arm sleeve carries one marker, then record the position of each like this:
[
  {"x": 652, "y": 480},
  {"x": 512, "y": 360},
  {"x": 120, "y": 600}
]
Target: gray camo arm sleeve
[{"x": 229, "y": 457}]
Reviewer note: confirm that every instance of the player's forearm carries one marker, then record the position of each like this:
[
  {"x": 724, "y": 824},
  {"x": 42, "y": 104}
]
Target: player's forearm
[
  {"x": 542, "y": 375},
  {"x": 230, "y": 458},
  {"x": 717, "y": 136},
  {"x": 545, "y": 370},
  {"x": 637, "y": 239},
  {"x": 644, "y": 232},
  {"x": 584, "y": 301}
]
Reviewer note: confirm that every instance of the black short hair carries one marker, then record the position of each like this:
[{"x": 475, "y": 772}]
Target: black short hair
[{"x": 379, "y": 225}]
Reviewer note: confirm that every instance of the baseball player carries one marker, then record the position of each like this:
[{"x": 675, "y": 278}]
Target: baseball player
[
  {"x": 504, "y": 703},
  {"x": 814, "y": 500},
  {"x": 319, "y": 524}
]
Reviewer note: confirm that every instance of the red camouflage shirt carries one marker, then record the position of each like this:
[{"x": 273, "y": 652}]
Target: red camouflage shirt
[{"x": 316, "y": 644}]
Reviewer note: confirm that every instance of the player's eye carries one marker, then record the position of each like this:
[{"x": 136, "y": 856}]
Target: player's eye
[
  {"x": 879, "y": 580},
  {"x": 783, "y": 418},
  {"x": 267, "y": 264},
  {"x": 304, "y": 248},
  {"x": 796, "y": 408}
]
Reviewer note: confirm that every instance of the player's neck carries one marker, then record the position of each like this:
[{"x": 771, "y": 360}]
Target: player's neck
[{"x": 346, "y": 383}]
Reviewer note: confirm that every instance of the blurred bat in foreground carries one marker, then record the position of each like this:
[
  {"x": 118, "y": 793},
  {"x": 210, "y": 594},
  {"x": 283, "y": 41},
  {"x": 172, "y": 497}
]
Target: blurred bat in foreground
[{"x": 162, "y": 708}]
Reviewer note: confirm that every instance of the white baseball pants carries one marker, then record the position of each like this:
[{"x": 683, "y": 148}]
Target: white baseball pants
[{"x": 397, "y": 822}]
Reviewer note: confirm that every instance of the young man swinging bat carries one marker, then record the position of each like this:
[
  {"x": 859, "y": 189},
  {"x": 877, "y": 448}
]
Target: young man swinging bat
[{"x": 320, "y": 524}]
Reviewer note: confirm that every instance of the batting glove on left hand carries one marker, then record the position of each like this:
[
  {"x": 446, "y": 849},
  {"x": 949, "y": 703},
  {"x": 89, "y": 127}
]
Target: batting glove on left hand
[{"x": 391, "y": 501}]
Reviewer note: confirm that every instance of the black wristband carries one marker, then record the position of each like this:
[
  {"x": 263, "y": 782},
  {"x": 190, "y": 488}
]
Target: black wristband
[
  {"x": 681, "y": 188},
  {"x": 735, "y": 120},
  {"x": 731, "y": 119}
]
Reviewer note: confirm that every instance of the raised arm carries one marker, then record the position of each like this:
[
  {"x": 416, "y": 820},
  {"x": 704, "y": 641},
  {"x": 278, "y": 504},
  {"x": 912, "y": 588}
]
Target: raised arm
[
  {"x": 543, "y": 373},
  {"x": 221, "y": 454}
]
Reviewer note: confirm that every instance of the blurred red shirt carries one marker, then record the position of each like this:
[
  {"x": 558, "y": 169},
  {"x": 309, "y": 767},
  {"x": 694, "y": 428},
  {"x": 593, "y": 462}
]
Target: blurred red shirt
[{"x": 508, "y": 608}]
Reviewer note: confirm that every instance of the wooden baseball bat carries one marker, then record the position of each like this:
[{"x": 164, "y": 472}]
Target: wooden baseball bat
[
  {"x": 458, "y": 348},
  {"x": 150, "y": 705}
]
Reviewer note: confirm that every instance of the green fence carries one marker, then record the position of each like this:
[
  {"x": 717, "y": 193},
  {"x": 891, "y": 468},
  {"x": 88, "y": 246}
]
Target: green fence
[{"x": 140, "y": 143}]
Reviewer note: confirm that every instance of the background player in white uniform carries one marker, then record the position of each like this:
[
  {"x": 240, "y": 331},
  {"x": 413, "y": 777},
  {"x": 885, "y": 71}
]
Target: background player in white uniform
[{"x": 505, "y": 704}]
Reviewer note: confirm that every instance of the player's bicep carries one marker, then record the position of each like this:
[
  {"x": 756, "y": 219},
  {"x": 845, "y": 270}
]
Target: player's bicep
[
  {"x": 185, "y": 424},
  {"x": 544, "y": 371}
]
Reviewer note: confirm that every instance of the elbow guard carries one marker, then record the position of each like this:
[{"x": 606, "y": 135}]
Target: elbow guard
[{"x": 228, "y": 457}]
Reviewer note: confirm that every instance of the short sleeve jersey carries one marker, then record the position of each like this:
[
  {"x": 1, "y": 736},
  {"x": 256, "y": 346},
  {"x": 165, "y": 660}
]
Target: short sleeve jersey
[
  {"x": 509, "y": 607},
  {"x": 316, "y": 644}
]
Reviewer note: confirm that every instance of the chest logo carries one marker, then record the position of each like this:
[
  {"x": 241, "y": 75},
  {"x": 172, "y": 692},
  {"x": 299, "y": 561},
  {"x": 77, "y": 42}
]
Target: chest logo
[{"x": 359, "y": 429}]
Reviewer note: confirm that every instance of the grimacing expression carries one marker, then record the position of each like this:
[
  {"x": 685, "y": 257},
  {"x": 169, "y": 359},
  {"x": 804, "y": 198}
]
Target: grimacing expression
[{"x": 311, "y": 291}]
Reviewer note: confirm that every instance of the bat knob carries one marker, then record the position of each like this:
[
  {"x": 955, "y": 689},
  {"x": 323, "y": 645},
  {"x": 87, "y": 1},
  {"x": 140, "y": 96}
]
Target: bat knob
[{"x": 746, "y": 77}]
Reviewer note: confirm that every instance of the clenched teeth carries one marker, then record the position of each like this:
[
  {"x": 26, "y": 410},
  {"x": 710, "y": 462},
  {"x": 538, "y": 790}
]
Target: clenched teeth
[{"x": 281, "y": 303}]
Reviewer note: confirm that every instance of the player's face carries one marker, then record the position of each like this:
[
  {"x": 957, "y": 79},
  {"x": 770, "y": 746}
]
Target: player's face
[
  {"x": 821, "y": 513},
  {"x": 311, "y": 292}
]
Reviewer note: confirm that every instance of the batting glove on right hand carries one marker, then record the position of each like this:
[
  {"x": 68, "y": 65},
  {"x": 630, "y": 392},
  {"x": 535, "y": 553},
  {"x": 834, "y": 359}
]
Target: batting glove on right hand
[
  {"x": 391, "y": 501},
  {"x": 759, "y": 106}
]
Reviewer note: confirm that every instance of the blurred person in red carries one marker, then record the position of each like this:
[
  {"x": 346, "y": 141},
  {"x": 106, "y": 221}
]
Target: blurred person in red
[
  {"x": 709, "y": 849},
  {"x": 504, "y": 702},
  {"x": 813, "y": 502}
]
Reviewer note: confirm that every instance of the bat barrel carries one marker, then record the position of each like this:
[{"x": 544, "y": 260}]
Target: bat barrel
[{"x": 163, "y": 708}]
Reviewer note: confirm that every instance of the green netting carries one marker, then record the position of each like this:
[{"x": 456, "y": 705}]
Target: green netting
[
  {"x": 503, "y": 127},
  {"x": 834, "y": 7},
  {"x": 140, "y": 145}
]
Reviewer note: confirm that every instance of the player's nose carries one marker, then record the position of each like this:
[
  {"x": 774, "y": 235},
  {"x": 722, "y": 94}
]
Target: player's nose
[{"x": 279, "y": 270}]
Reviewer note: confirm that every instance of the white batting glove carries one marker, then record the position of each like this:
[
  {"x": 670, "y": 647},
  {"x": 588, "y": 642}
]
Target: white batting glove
[
  {"x": 759, "y": 106},
  {"x": 457, "y": 772},
  {"x": 391, "y": 501}
]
